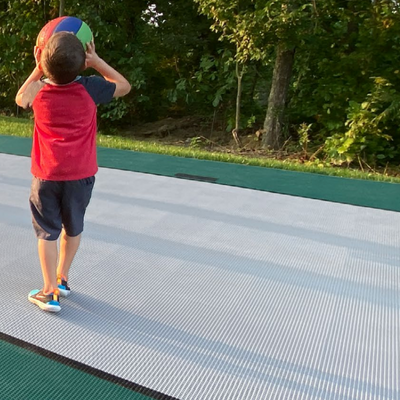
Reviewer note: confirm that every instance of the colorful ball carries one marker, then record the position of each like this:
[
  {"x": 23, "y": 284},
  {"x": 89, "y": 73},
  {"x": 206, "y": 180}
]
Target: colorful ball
[{"x": 65, "y": 24}]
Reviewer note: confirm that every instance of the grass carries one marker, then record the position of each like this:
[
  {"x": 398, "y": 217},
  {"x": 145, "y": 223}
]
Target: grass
[{"x": 22, "y": 127}]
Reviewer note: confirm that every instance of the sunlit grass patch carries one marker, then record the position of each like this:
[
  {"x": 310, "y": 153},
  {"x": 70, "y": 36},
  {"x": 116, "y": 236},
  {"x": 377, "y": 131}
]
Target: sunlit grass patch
[{"x": 23, "y": 127}]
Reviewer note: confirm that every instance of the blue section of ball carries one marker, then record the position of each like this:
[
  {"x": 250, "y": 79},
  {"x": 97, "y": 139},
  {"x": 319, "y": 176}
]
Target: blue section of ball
[{"x": 69, "y": 24}]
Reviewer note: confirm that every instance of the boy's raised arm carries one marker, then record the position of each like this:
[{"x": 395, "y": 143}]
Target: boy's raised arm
[
  {"x": 28, "y": 91},
  {"x": 122, "y": 86}
]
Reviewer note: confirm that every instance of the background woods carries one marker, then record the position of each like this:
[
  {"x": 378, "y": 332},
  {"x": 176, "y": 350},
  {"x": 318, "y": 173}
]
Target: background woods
[{"x": 321, "y": 76}]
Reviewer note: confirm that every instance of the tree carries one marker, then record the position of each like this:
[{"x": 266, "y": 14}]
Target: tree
[{"x": 257, "y": 28}]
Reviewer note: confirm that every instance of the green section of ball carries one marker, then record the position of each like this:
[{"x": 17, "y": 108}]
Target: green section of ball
[{"x": 84, "y": 34}]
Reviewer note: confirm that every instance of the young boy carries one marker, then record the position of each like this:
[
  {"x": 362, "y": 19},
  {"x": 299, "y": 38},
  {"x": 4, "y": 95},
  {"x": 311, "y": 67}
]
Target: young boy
[{"x": 63, "y": 159}]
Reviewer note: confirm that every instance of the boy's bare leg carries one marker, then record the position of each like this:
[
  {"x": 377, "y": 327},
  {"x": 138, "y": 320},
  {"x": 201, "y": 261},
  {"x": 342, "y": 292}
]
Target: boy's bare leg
[
  {"x": 68, "y": 247},
  {"x": 48, "y": 260}
]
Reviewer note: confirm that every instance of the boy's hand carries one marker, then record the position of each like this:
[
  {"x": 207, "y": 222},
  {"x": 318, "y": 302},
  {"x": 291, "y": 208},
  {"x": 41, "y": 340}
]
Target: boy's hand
[
  {"x": 37, "y": 52},
  {"x": 122, "y": 86},
  {"x": 92, "y": 59}
]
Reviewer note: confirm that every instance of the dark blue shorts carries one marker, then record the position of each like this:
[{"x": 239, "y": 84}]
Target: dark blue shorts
[{"x": 59, "y": 204}]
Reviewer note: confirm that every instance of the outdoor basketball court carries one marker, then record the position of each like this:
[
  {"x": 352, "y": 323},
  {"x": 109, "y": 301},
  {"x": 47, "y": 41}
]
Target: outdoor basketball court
[{"x": 197, "y": 290}]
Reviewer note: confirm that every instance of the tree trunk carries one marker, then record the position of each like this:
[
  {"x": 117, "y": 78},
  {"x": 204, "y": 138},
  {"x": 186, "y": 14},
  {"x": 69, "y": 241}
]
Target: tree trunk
[
  {"x": 239, "y": 76},
  {"x": 61, "y": 9},
  {"x": 277, "y": 98}
]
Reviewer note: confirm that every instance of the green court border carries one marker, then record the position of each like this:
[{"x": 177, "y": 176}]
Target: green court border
[
  {"x": 381, "y": 195},
  {"x": 31, "y": 372}
]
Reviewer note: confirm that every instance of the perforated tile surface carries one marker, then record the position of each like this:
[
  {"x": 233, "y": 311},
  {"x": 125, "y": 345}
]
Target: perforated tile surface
[{"x": 203, "y": 291}]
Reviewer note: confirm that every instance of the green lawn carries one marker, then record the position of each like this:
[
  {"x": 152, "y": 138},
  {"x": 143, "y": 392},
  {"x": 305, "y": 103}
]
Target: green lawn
[{"x": 22, "y": 127}]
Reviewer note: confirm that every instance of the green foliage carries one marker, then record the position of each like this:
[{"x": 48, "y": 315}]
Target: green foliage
[
  {"x": 373, "y": 132},
  {"x": 212, "y": 89},
  {"x": 344, "y": 93},
  {"x": 177, "y": 44},
  {"x": 334, "y": 86},
  {"x": 255, "y": 26},
  {"x": 152, "y": 50},
  {"x": 199, "y": 142},
  {"x": 304, "y": 136},
  {"x": 212, "y": 85},
  {"x": 20, "y": 21}
]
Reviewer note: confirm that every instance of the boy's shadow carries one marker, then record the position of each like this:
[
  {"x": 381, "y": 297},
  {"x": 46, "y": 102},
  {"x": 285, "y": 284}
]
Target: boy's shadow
[{"x": 121, "y": 327}]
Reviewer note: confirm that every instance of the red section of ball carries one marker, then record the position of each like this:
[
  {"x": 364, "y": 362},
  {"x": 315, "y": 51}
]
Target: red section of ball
[{"x": 47, "y": 31}]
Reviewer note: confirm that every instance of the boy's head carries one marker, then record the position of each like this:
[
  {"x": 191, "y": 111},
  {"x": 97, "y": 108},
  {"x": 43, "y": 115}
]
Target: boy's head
[{"x": 63, "y": 58}]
